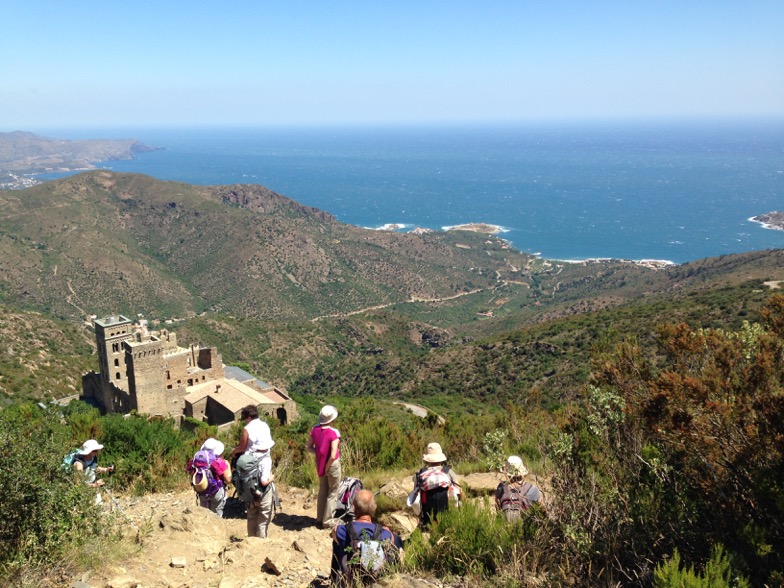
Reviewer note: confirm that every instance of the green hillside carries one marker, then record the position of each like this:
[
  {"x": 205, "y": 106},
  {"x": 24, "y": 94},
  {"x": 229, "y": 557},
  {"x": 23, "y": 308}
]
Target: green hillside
[
  {"x": 647, "y": 401},
  {"x": 105, "y": 243}
]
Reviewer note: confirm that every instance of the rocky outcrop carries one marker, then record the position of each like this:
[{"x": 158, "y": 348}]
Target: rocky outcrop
[{"x": 771, "y": 220}]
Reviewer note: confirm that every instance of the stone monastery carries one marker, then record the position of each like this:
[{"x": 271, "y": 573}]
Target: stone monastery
[{"x": 148, "y": 372}]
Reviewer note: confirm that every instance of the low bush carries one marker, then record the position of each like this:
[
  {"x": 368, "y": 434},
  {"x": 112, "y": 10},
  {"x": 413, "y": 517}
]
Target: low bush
[
  {"x": 717, "y": 574},
  {"x": 46, "y": 517},
  {"x": 474, "y": 540}
]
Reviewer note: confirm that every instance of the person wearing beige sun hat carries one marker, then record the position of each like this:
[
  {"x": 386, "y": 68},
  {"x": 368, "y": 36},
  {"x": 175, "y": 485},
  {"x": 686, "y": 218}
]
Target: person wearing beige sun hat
[
  {"x": 324, "y": 444},
  {"x": 436, "y": 484},
  {"x": 515, "y": 495}
]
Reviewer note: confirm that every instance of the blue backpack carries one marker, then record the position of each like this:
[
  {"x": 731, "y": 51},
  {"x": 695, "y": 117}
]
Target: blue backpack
[
  {"x": 203, "y": 481},
  {"x": 68, "y": 460}
]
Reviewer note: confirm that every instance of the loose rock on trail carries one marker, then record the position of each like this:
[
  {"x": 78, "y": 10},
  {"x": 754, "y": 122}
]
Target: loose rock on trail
[{"x": 180, "y": 545}]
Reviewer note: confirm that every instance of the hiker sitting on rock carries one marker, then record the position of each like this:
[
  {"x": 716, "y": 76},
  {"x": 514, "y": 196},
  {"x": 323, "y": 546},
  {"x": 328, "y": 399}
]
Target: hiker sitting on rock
[
  {"x": 362, "y": 550},
  {"x": 437, "y": 484},
  {"x": 86, "y": 463},
  {"x": 515, "y": 495}
]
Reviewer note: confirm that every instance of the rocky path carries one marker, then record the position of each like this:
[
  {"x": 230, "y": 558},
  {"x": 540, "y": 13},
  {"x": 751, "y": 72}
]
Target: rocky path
[
  {"x": 184, "y": 546},
  {"x": 179, "y": 545}
]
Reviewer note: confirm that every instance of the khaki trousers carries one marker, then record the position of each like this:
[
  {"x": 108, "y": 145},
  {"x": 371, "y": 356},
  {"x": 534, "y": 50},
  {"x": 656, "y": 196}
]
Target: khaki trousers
[
  {"x": 259, "y": 515},
  {"x": 328, "y": 494}
]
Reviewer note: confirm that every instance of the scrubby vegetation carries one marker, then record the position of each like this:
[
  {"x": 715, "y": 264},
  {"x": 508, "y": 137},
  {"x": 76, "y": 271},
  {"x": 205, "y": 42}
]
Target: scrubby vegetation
[{"x": 666, "y": 444}]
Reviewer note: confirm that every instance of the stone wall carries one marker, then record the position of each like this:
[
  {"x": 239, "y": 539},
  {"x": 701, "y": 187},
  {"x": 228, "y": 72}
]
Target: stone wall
[
  {"x": 107, "y": 396},
  {"x": 146, "y": 378}
]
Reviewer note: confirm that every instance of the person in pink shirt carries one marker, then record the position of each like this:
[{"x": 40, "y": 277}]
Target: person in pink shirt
[
  {"x": 222, "y": 472},
  {"x": 324, "y": 443}
]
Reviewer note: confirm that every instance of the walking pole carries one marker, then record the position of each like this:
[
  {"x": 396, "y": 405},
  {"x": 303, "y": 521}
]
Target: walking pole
[{"x": 109, "y": 492}]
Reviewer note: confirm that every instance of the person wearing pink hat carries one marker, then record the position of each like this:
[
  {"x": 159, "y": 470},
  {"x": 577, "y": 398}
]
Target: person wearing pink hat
[{"x": 324, "y": 443}]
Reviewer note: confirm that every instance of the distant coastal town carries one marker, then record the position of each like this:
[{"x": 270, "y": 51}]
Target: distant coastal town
[{"x": 11, "y": 181}]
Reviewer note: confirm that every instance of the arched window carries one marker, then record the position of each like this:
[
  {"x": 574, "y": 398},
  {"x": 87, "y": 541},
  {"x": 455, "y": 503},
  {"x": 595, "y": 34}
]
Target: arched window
[
  {"x": 117, "y": 376},
  {"x": 116, "y": 362}
]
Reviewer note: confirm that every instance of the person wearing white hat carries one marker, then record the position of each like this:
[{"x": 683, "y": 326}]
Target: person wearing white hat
[
  {"x": 86, "y": 463},
  {"x": 260, "y": 508},
  {"x": 221, "y": 472},
  {"x": 515, "y": 495},
  {"x": 436, "y": 482},
  {"x": 324, "y": 443}
]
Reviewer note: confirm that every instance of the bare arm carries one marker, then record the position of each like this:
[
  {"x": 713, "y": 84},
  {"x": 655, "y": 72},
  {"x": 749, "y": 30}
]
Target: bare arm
[{"x": 243, "y": 444}]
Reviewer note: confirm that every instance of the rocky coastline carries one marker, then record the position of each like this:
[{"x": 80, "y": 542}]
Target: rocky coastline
[{"x": 771, "y": 220}]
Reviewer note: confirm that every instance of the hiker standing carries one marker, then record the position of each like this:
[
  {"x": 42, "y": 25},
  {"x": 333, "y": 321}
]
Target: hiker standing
[
  {"x": 437, "y": 484},
  {"x": 255, "y": 433},
  {"x": 361, "y": 549},
  {"x": 86, "y": 463},
  {"x": 324, "y": 443},
  {"x": 222, "y": 474},
  {"x": 260, "y": 504},
  {"x": 515, "y": 495},
  {"x": 254, "y": 471}
]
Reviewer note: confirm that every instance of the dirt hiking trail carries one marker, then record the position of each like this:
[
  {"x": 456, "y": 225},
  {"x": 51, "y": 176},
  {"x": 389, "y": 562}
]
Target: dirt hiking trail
[{"x": 180, "y": 545}]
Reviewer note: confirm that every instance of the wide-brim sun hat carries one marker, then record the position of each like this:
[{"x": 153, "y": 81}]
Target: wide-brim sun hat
[
  {"x": 433, "y": 453},
  {"x": 328, "y": 414},
  {"x": 515, "y": 467},
  {"x": 213, "y": 445},
  {"x": 89, "y": 446}
]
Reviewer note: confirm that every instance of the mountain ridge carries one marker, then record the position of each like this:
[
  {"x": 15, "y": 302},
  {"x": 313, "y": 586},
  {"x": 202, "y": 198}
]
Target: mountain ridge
[
  {"x": 23, "y": 152},
  {"x": 104, "y": 242}
]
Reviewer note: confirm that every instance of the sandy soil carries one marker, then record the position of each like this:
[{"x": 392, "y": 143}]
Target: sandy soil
[{"x": 177, "y": 544}]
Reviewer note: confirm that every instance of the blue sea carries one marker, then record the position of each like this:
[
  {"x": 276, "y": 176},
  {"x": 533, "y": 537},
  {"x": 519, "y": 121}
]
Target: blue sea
[{"x": 667, "y": 191}]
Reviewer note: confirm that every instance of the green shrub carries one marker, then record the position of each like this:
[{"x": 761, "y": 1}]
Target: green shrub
[
  {"x": 717, "y": 574},
  {"x": 149, "y": 454},
  {"x": 46, "y": 516},
  {"x": 472, "y": 540}
]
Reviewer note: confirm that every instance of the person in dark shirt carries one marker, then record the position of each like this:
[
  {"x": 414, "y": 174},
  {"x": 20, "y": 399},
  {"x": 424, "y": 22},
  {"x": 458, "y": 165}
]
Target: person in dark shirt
[
  {"x": 362, "y": 528},
  {"x": 437, "y": 484}
]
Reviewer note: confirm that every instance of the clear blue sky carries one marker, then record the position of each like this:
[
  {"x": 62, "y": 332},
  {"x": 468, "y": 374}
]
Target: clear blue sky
[{"x": 168, "y": 62}]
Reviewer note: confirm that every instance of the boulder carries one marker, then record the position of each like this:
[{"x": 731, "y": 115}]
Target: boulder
[{"x": 482, "y": 483}]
